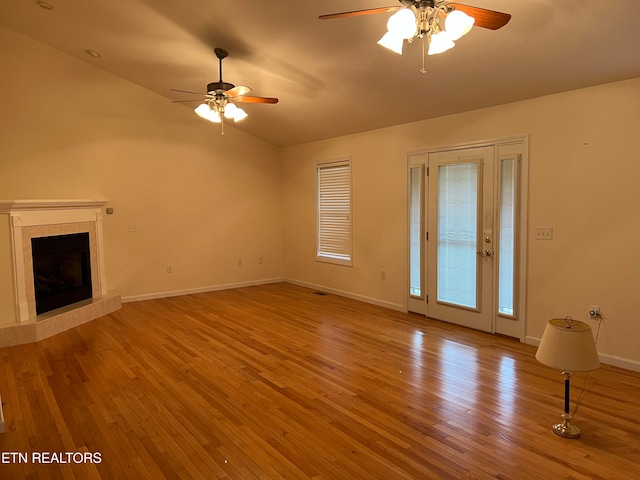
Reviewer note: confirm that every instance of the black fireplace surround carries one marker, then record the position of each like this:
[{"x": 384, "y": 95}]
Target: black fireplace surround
[{"x": 61, "y": 270}]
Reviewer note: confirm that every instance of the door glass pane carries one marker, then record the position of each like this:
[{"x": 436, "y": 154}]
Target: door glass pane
[
  {"x": 457, "y": 234},
  {"x": 415, "y": 232},
  {"x": 506, "y": 250}
]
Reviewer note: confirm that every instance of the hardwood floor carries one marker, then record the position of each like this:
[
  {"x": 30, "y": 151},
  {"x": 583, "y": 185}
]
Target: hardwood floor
[{"x": 276, "y": 382}]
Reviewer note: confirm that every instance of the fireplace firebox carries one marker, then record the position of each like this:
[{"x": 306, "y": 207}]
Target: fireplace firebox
[{"x": 61, "y": 270}]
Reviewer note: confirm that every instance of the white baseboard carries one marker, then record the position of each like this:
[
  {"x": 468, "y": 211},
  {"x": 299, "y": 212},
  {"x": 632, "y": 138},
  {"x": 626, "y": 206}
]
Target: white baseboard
[
  {"x": 189, "y": 291},
  {"x": 228, "y": 286},
  {"x": 354, "y": 296},
  {"x": 621, "y": 362}
]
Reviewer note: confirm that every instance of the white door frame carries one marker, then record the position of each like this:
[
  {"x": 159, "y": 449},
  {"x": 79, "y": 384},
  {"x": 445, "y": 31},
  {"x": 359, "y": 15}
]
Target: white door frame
[{"x": 504, "y": 146}]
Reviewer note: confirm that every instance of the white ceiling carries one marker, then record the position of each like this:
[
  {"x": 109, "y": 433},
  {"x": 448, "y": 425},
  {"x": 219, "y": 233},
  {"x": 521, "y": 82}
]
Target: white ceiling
[{"x": 330, "y": 76}]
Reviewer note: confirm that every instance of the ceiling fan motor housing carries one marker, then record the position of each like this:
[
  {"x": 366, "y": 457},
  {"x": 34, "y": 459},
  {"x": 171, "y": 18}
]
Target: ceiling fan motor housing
[
  {"x": 215, "y": 86},
  {"x": 419, "y": 3}
]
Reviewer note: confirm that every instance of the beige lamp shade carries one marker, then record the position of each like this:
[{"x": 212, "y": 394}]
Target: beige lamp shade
[{"x": 568, "y": 345}]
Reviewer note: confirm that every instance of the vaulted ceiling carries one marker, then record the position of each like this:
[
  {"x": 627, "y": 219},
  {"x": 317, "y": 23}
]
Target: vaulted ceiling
[{"x": 331, "y": 77}]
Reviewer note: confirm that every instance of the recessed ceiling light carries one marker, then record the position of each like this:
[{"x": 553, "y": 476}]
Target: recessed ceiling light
[
  {"x": 45, "y": 5},
  {"x": 92, "y": 53}
]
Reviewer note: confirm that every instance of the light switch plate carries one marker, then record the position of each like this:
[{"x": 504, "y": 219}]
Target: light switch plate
[{"x": 544, "y": 233}]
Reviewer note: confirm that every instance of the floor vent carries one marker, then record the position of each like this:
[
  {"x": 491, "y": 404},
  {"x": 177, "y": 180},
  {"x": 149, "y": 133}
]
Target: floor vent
[{"x": 319, "y": 293}]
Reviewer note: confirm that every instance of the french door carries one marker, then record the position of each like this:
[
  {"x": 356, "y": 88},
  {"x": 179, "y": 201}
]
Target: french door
[
  {"x": 467, "y": 208},
  {"x": 461, "y": 227}
]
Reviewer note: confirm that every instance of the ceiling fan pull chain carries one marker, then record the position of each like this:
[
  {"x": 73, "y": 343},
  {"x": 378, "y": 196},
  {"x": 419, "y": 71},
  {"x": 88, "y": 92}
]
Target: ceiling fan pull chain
[{"x": 423, "y": 70}]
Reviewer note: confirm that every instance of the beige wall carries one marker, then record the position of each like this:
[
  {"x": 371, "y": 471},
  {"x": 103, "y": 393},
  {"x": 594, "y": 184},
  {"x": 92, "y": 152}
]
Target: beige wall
[
  {"x": 200, "y": 200},
  {"x": 583, "y": 180}
]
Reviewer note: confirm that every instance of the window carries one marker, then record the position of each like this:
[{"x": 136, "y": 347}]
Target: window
[
  {"x": 458, "y": 203},
  {"x": 508, "y": 230},
  {"x": 415, "y": 231},
  {"x": 334, "y": 212}
]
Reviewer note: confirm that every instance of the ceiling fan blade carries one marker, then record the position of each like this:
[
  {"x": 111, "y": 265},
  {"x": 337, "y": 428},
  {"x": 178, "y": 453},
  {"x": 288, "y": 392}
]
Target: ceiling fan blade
[
  {"x": 186, "y": 91},
  {"x": 255, "y": 99},
  {"x": 237, "y": 91},
  {"x": 187, "y": 101},
  {"x": 357, "y": 13},
  {"x": 484, "y": 18}
]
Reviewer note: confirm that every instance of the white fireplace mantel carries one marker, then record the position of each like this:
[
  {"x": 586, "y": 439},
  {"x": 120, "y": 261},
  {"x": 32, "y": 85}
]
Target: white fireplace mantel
[
  {"x": 38, "y": 218},
  {"x": 9, "y": 206}
]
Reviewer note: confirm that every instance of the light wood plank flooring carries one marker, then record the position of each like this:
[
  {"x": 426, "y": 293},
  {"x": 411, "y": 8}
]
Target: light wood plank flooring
[{"x": 277, "y": 382}]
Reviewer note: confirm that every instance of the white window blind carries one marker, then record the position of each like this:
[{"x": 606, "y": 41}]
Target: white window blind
[
  {"x": 416, "y": 201},
  {"x": 458, "y": 204},
  {"x": 508, "y": 182},
  {"x": 334, "y": 212}
]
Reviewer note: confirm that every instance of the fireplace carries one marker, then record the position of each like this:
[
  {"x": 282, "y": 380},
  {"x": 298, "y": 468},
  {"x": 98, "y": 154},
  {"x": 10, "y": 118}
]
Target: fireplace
[
  {"x": 61, "y": 270},
  {"x": 52, "y": 278}
]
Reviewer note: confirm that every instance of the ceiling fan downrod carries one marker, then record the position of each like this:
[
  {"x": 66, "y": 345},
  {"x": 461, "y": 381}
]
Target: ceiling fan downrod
[{"x": 219, "y": 86}]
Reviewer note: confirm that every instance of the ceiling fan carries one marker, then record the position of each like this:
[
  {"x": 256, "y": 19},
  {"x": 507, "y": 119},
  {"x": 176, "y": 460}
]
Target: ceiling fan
[
  {"x": 436, "y": 22},
  {"x": 219, "y": 101}
]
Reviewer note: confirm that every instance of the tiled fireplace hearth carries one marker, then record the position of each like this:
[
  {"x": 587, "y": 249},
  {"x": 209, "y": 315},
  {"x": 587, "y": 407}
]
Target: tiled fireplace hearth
[{"x": 27, "y": 219}]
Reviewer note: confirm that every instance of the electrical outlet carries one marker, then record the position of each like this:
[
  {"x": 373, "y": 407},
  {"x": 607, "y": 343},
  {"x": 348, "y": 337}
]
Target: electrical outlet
[
  {"x": 133, "y": 227},
  {"x": 383, "y": 274},
  {"x": 169, "y": 268}
]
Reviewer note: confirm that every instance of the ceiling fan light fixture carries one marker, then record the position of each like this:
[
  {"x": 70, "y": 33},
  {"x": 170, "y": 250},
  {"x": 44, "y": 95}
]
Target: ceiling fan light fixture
[
  {"x": 392, "y": 41},
  {"x": 234, "y": 112},
  {"x": 403, "y": 23},
  {"x": 457, "y": 24},
  {"x": 428, "y": 20},
  {"x": 219, "y": 101},
  {"x": 240, "y": 115},
  {"x": 202, "y": 111},
  {"x": 205, "y": 111},
  {"x": 401, "y": 26},
  {"x": 229, "y": 111},
  {"x": 440, "y": 42}
]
